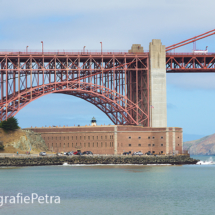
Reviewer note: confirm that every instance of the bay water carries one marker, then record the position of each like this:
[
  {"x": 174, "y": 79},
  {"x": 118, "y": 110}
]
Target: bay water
[{"x": 113, "y": 189}]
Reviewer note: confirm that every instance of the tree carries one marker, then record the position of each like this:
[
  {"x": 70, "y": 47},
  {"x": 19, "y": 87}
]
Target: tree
[
  {"x": 1, "y": 146},
  {"x": 10, "y": 125}
]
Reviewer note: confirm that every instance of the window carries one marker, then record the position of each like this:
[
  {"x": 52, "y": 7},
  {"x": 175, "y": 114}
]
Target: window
[
  {"x": 64, "y": 144},
  {"x": 110, "y": 144},
  {"x": 68, "y": 137},
  {"x": 161, "y": 144},
  {"x": 88, "y": 137},
  {"x": 64, "y": 138},
  {"x": 60, "y": 144},
  {"x": 161, "y": 137},
  {"x": 178, "y": 144},
  {"x": 110, "y": 136},
  {"x": 56, "y": 138},
  {"x": 97, "y": 137},
  {"x": 153, "y": 137},
  {"x": 149, "y": 144},
  {"x": 52, "y": 144},
  {"x": 129, "y": 137},
  {"x": 76, "y": 137},
  {"x": 48, "y": 138},
  {"x": 129, "y": 144},
  {"x": 52, "y": 138},
  {"x": 72, "y": 137},
  {"x": 161, "y": 152},
  {"x": 153, "y": 144},
  {"x": 97, "y": 144},
  {"x": 80, "y": 137},
  {"x": 148, "y": 137},
  {"x": 105, "y": 137},
  {"x": 80, "y": 144},
  {"x": 84, "y": 137},
  {"x": 93, "y": 137},
  {"x": 68, "y": 145},
  {"x": 121, "y": 144},
  {"x": 139, "y": 137},
  {"x": 101, "y": 137},
  {"x": 101, "y": 144},
  {"x": 139, "y": 144},
  {"x": 105, "y": 144},
  {"x": 76, "y": 144},
  {"x": 93, "y": 144},
  {"x": 56, "y": 144},
  {"x": 72, "y": 144},
  {"x": 44, "y": 138},
  {"x": 153, "y": 152},
  {"x": 88, "y": 144},
  {"x": 84, "y": 144},
  {"x": 178, "y": 137},
  {"x": 60, "y": 138}
]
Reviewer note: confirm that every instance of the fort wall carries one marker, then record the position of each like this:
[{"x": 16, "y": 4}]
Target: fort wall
[{"x": 112, "y": 139}]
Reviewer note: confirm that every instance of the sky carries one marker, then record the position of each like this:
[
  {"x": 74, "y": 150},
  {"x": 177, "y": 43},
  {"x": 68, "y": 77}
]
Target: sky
[{"x": 71, "y": 25}]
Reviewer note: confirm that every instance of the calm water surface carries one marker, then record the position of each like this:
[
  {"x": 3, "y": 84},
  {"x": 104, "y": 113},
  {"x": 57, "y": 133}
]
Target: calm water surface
[{"x": 188, "y": 189}]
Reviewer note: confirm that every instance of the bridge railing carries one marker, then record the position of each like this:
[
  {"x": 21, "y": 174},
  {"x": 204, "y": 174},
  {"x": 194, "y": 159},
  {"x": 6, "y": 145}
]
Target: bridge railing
[
  {"x": 189, "y": 53},
  {"x": 30, "y": 52}
]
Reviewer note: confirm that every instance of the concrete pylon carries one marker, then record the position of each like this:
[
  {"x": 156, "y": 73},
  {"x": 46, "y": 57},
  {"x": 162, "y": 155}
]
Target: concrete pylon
[{"x": 157, "y": 68}]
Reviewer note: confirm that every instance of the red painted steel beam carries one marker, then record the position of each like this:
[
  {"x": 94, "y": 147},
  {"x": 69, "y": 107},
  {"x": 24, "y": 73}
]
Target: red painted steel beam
[
  {"x": 191, "y": 40},
  {"x": 100, "y": 80},
  {"x": 185, "y": 63}
]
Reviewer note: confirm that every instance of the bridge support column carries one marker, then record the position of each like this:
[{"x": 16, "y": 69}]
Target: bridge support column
[{"x": 157, "y": 67}]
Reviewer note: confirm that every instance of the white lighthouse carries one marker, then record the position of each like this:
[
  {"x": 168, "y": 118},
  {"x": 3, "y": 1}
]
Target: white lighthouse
[{"x": 93, "y": 121}]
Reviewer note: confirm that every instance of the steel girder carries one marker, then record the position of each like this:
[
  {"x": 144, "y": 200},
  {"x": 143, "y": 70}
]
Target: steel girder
[
  {"x": 104, "y": 81},
  {"x": 188, "y": 63}
]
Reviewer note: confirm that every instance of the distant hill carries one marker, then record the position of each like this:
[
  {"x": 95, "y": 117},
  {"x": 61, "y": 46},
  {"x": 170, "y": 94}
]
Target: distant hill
[{"x": 202, "y": 146}]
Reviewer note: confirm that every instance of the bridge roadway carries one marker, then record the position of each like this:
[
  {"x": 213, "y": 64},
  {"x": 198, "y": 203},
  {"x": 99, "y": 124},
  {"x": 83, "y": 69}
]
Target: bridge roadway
[{"x": 175, "y": 62}]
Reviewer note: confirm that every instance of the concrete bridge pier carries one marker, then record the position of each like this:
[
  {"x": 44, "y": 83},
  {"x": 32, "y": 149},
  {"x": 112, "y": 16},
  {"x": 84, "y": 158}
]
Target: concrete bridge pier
[{"x": 157, "y": 70}]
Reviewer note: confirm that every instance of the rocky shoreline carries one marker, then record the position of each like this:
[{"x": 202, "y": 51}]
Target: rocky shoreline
[{"x": 58, "y": 160}]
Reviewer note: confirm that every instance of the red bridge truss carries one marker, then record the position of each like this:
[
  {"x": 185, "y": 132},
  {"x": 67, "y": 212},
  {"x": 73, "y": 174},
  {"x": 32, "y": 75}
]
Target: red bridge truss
[
  {"x": 190, "y": 62},
  {"x": 116, "y": 83}
]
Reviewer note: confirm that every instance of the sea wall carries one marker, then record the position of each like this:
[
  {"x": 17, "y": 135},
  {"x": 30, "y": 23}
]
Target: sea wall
[{"x": 59, "y": 160}]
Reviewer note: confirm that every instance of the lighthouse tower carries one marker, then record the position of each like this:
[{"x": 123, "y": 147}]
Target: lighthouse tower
[{"x": 93, "y": 121}]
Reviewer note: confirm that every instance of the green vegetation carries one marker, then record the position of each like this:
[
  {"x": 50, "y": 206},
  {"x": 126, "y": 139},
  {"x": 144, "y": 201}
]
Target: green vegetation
[
  {"x": 10, "y": 125},
  {"x": 1, "y": 146}
]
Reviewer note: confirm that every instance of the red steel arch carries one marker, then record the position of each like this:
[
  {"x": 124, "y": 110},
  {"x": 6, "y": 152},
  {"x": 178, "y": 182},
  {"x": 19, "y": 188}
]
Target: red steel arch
[
  {"x": 114, "y": 105},
  {"x": 117, "y": 84}
]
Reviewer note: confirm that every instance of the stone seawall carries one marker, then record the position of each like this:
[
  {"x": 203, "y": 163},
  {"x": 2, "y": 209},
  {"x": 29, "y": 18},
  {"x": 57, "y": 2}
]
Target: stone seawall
[{"x": 58, "y": 160}]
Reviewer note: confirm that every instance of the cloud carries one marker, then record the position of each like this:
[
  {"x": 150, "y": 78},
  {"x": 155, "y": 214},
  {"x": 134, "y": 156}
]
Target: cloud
[{"x": 69, "y": 24}]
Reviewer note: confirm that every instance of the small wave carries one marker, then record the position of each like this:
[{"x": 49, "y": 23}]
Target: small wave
[
  {"x": 210, "y": 161},
  {"x": 66, "y": 164},
  {"x": 159, "y": 164}
]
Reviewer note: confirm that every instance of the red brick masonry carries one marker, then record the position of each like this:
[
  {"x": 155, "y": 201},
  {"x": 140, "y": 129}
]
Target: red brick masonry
[{"x": 113, "y": 139}]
